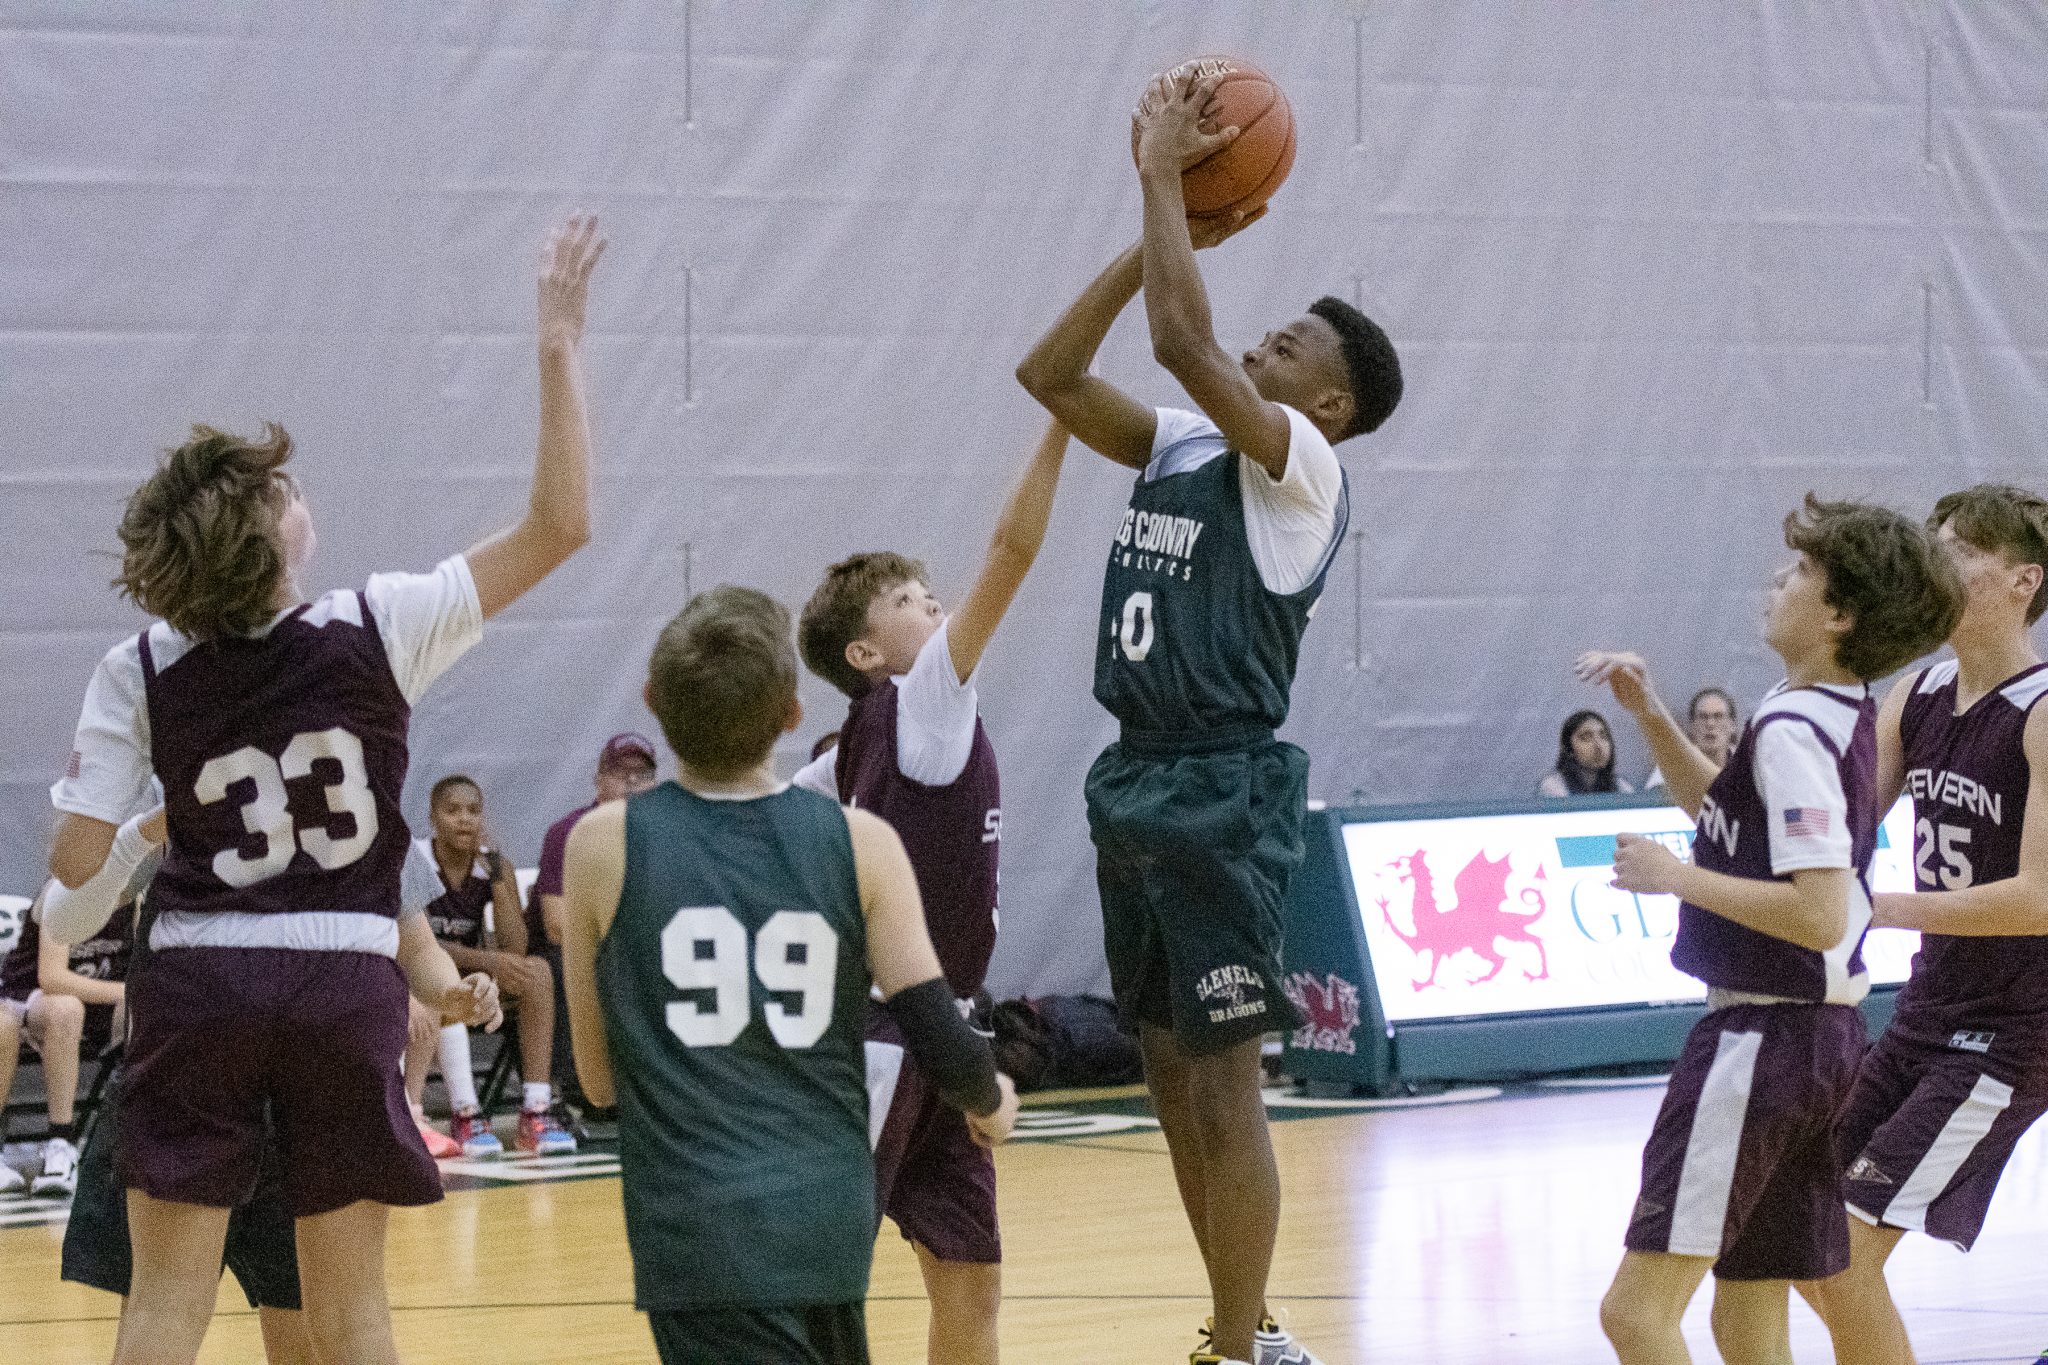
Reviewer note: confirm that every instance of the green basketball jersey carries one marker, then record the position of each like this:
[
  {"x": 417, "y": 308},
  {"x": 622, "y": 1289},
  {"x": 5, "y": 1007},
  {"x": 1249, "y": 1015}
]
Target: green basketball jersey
[
  {"x": 734, "y": 982},
  {"x": 1191, "y": 640}
]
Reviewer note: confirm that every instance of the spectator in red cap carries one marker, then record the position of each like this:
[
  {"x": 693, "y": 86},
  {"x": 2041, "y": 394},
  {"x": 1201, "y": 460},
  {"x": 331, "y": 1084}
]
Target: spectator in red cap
[{"x": 624, "y": 766}]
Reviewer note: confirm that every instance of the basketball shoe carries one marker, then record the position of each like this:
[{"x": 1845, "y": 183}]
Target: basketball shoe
[
  {"x": 11, "y": 1181},
  {"x": 540, "y": 1135},
  {"x": 1272, "y": 1344},
  {"x": 59, "y": 1178},
  {"x": 470, "y": 1128},
  {"x": 439, "y": 1145}
]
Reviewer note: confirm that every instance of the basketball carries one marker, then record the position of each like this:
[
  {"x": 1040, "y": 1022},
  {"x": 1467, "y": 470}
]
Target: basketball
[{"x": 1243, "y": 175}]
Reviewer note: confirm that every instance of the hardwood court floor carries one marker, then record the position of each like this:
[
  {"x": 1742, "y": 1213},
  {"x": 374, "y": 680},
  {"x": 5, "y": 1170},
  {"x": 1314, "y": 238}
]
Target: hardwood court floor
[{"x": 1470, "y": 1232}]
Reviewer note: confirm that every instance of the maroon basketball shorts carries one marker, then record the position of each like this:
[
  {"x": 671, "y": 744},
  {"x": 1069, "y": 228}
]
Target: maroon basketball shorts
[
  {"x": 1927, "y": 1132},
  {"x": 931, "y": 1177},
  {"x": 223, "y": 1035},
  {"x": 1741, "y": 1164}
]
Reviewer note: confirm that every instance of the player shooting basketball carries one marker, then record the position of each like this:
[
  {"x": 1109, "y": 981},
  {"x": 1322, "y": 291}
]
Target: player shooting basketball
[{"x": 1196, "y": 811}]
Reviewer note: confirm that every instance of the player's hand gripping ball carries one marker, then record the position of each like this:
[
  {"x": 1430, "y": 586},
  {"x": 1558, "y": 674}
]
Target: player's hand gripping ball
[{"x": 1238, "y": 174}]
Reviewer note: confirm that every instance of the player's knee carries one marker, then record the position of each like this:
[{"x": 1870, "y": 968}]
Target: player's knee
[
  {"x": 1629, "y": 1322},
  {"x": 63, "y": 1016}
]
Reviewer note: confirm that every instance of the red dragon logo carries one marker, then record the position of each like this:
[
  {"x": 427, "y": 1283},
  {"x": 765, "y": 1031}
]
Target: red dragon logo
[
  {"x": 1476, "y": 923},
  {"x": 1330, "y": 1007}
]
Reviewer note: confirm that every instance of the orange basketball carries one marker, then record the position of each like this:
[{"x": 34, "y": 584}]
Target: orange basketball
[{"x": 1244, "y": 174}]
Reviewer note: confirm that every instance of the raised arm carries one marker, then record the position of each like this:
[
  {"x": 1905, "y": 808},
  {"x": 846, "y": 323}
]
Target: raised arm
[
  {"x": 1171, "y": 137},
  {"x": 1056, "y": 372},
  {"x": 1020, "y": 530},
  {"x": 2012, "y": 905},
  {"x": 557, "y": 521},
  {"x": 593, "y": 874},
  {"x": 1687, "y": 772}
]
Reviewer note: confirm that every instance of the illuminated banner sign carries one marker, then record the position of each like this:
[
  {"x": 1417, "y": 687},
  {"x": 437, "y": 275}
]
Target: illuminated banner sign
[{"x": 1513, "y": 914}]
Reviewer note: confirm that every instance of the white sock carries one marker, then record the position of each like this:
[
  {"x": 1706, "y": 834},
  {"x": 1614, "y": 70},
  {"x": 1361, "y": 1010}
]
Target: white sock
[
  {"x": 536, "y": 1095},
  {"x": 456, "y": 1072}
]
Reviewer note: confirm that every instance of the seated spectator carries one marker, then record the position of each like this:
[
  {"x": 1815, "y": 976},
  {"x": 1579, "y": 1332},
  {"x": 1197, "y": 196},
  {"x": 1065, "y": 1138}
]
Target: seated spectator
[
  {"x": 475, "y": 877},
  {"x": 66, "y": 1002},
  {"x": 427, "y": 1034},
  {"x": 1585, "y": 759},
  {"x": 625, "y": 766},
  {"x": 1710, "y": 725}
]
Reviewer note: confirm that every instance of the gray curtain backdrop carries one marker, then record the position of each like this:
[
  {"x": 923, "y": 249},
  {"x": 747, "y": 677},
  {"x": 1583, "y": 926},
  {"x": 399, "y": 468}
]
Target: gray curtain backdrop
[{"x": 1655, "y": 269}]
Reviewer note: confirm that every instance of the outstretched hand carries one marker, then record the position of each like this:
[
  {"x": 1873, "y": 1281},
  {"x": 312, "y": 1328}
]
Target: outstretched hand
[
  {"x": 565, "y": 265},
  {"x": 1624, "y": 674},
  {"x": 1174, "y": 123}
]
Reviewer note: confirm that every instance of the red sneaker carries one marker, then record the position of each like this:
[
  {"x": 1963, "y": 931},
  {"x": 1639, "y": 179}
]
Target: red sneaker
[
  {"x": 540, "y": 1135},
  {"x": 473, "y": 1131}
]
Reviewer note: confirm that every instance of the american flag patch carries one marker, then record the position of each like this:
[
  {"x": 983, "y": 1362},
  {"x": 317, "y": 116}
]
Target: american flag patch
[
  {"x": 71, "y": 768},
  {"x": 1806, "y": 822}
]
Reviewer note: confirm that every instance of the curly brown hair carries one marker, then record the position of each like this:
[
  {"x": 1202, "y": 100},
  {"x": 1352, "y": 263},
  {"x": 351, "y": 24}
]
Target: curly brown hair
[
  {"x": 2001, "y": 520},
  {"x": 199, "y": 538},
  {"x": 722, "y": 679},
  {"x": 837, "y": 613},
  {"x": 1887, "y": 575}
]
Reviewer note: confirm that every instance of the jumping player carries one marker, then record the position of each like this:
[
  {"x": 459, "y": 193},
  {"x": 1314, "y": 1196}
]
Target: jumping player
[
  {"x": 1196, "y": 811},
  {"x": 734, "y": 1023},
  {"x": 259, "y": 1247},
  {"x": 1962, "y": 1069},
  {"x": 1740, "y": 1176},
  {"x": 277, "y": 903},
  {"x": 913, "y": 751}
]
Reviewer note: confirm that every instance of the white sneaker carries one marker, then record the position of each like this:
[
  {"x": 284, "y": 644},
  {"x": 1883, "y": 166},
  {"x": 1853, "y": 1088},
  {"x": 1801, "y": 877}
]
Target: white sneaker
[
  {"x": 11, "y": 1182},
  {"x": 60, "y": 1171},
  {"x": 1273, "y": 1344}
]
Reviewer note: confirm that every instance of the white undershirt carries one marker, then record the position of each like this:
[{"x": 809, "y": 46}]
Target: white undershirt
[
  {"x": 1289, "y": 520},
  {"x": 935, "y": 716}
]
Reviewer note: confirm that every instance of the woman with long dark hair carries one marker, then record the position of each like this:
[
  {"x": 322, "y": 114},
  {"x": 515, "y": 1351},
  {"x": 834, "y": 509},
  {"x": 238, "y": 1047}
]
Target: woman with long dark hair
[{"x": 1585, "y": 759}]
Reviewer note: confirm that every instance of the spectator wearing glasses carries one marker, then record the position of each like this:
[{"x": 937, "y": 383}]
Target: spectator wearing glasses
[{"x": 1710, "y": 723}]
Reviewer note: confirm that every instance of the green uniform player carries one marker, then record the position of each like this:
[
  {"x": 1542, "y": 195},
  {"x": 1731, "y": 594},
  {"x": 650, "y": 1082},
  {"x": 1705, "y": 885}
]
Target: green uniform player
[
  {"x": 722, "y": 934},
  {"x": 1196, "y": 810}
]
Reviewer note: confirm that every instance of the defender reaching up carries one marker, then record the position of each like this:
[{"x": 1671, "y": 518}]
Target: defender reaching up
[
  {"x": 274, "y": 985},
  {"x": 913, "y": 751},
  {"x": 1196, "y": 811}
]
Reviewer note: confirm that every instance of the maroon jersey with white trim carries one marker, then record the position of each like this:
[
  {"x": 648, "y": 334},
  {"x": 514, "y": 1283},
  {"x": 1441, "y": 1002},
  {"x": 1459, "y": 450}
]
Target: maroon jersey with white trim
[
  {"x": 952, "y": 833},
  {"x": 1798, "y": 793},
  {"x": 103, "y": 957},
  {"x": 282, "y": 757},
  {"x": 1968, "y": 776}
]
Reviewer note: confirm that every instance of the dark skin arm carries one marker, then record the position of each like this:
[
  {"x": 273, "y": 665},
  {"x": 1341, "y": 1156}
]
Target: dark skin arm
[
  {"x": 1170, "y": 137},
  {"x": 1105, "y": 418}
]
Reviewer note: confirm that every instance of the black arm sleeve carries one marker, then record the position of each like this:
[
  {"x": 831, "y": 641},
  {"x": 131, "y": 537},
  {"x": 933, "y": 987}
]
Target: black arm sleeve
[{"x": 956, "y": 1058}]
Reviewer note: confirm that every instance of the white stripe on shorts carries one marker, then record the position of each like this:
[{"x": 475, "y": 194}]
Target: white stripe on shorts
[
  {"x": 1711, "y": 1150},
  {"x": 317, "y": 931},
  {"x": 885, "y": 1068},
  {"x": 1958, "y": 1138}
]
